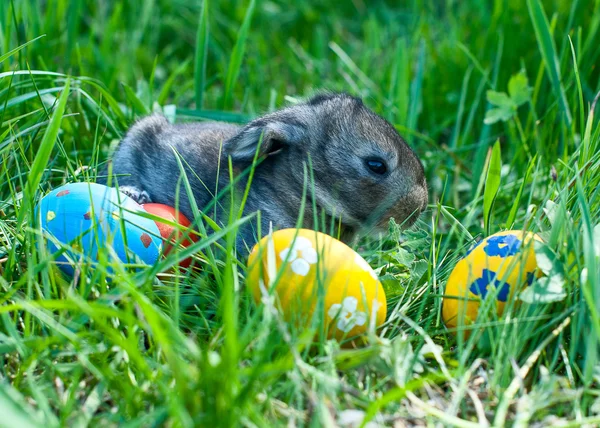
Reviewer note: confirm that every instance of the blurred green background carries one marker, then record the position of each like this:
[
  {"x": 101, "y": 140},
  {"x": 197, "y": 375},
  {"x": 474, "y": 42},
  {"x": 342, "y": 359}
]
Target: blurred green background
[{"x": 424, "y": 65}]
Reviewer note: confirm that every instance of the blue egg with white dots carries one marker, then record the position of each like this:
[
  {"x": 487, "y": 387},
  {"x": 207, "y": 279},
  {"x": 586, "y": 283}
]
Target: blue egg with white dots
[{"x": 85, "y": 218}]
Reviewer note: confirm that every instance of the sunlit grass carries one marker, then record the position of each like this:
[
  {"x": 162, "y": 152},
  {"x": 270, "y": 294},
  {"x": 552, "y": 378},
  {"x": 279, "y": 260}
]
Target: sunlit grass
[{"x": 166, "y": 346}]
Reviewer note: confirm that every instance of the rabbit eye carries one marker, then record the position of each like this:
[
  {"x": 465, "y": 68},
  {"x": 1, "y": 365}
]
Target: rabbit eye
[{"x": 377, "y": 166}]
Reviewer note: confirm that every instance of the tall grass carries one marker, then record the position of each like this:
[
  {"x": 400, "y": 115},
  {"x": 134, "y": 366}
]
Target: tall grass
[{"x": 189, "y": 347}]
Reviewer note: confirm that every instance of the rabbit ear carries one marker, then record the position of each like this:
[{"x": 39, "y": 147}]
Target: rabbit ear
[{"x": 276, "y": 134}]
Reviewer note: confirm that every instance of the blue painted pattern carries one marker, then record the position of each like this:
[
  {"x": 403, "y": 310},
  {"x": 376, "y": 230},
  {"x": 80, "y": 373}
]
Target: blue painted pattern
[
  {"x": 503, "y": 246},
  {"x": 480, "y": 286}
]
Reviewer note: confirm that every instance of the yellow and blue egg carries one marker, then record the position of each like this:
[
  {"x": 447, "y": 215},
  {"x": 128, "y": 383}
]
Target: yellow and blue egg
[
  {"x": 88, "y": 216},
  {"x": 497, "y": 267}
]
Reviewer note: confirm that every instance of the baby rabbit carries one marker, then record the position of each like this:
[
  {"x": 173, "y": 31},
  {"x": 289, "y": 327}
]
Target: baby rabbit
[{"x": 364, "y": 173}]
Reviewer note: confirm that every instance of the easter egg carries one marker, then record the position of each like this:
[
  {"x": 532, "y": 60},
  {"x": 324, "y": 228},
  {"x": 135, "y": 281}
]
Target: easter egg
[
  {"x": 303, "y": 264},
  {"x": 495, "y": 268},
  {"x": 89, "y": 217},
  {"x": 172, "y": 235}
]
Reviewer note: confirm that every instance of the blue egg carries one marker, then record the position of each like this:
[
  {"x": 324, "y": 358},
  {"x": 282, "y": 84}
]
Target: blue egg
[{"x": 91, "y": 217}]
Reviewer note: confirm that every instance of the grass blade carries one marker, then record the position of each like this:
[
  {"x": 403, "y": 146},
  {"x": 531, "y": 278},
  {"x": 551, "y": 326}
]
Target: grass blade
[
  {"x": 136, "y": 104},
  {"x": 17, "y": 49},
  {"x": 400, "y": 83},
  {"x": 548, "y": 51},
  {"x": 215, "y": 115},
  {"x": 164, "y": 92},
  {"x": 484, "y": 136},
  {"x": 416, "y": 103},
  {"x": 14, "y": 409},
  {"x": 43, "y": 155},
  {"x": 492, "y": 184},
  {"x": 589, "y": 287},
  {"x": 513, "y": 211},
  {"x": 579, "y": 91},
  {"x": 201, "y": 55},
  {"x": 237, "y": 56}
]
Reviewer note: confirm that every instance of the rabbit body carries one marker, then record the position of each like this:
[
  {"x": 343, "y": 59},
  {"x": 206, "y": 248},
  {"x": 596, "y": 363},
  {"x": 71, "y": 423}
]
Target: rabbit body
[{"x": 332, "y": 149}]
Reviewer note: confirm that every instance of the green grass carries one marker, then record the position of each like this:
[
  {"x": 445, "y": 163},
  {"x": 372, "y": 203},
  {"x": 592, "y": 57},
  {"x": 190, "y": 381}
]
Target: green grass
[{"x": 191, "y": 348}]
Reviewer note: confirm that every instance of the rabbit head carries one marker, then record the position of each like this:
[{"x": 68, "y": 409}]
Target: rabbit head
[{"x": 364, "y": 172}]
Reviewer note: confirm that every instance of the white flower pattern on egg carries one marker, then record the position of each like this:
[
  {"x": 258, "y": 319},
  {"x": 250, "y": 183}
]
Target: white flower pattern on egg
[
  {"x": 348, "y": 316},
  {"x": 362, "y": 263},
  {"x": 301, "y": 255}
]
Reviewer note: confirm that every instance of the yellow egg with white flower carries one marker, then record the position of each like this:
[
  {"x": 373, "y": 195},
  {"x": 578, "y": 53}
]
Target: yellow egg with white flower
[{"x": 300, "y": 267}]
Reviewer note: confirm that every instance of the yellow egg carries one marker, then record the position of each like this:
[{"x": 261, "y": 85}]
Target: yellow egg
[
  {"x": 306, "y": 264},
  {"x": 497, "y": 267}
]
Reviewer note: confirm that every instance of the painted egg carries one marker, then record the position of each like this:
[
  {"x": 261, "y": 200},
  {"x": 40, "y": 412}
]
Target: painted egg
[
  {"x": 302, "y": 261},
  {"x": 172, "y": 235},
  {"x": 90, "y": 216},
  {"x": 494, "y": 268}
]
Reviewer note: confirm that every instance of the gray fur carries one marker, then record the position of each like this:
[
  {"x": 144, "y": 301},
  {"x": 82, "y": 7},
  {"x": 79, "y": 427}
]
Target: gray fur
[{"x": 336, "y": 131}]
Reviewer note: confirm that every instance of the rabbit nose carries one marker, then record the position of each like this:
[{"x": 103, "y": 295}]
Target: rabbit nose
[
  {"x": 406, "y": 210},
  {"x": 413, "y": 204}
]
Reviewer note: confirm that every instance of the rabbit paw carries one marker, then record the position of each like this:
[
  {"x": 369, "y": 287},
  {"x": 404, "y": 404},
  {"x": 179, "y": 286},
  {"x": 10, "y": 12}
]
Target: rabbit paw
[{"x": 138, "y": 195}]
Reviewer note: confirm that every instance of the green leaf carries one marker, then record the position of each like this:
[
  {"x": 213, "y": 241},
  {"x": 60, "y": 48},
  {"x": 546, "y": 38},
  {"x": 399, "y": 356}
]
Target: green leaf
[
  {"x": 392, "y": 286},
  {"x": 518, "y": 89},
  {"x": 492, "y": 184},
  {"x": 549, "y": 288},
  {"x": 418, "y": 269},
  {"x": 545, "y": 290},
  {"x": 551, "y": 211},
  {"x": 505, "y": 107},
  {"x": 548, "y": 51},
  {"x": 494, "y": 115},
  {"x": 500, "y": 99},
  {"x": 545, "y": 258},
  {"x": 403, "y": 257}
]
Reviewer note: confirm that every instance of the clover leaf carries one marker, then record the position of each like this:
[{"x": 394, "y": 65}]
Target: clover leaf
[
  {"x": 506, "y": 105},
  {"x": 518, "y": 88},
  {"x": 551, "y": 287}
]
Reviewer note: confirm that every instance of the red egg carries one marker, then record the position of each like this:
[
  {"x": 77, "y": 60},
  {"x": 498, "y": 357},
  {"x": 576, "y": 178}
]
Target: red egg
[{"x": 171, "y": 234}]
